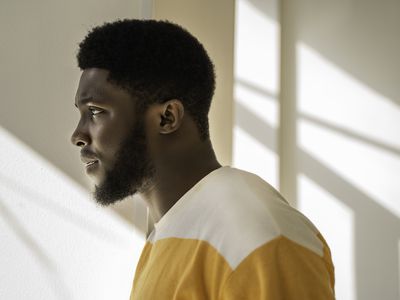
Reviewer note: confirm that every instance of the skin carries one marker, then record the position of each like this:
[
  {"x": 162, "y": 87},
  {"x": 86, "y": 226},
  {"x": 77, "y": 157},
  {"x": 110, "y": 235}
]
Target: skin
[{"x": 175, "y": 155}]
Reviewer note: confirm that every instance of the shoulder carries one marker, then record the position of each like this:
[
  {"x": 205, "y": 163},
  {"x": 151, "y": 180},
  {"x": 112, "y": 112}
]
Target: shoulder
[{"x": 237, "y": 212}]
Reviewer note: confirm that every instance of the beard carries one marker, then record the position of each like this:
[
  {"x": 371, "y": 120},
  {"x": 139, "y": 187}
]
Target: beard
[{"x": 132, "y": 171}]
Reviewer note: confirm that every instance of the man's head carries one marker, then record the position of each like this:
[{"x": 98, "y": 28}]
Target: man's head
[
  {"x": 155, "y": 61},
  {"x": 133, "y": 69}
]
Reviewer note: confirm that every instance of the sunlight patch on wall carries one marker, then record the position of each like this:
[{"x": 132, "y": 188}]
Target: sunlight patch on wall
[
  {"x": 348, "y": 139},
  {"x": 324, "y": 210},
  {"x": 256, "y": 87},
  {"x": 256, "y": 46},
  {"x": 260, "y": 103},
  {"x": 350, "y": 128},
  {"x": 367, "y": 167},
  {"x": 328, "y": 93},
  {"x": 257, "y": 159},
  {"x": 55, "y": 240}
]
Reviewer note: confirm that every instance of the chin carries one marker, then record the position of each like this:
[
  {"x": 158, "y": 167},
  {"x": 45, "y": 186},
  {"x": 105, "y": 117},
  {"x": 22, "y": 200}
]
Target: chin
[{"x": 98, "y": 177}]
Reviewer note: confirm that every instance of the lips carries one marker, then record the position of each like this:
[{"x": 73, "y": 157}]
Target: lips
[
  {"x": 91, "y": 166},
  {"x": 88, "y": 160},
  {"x": 91, "y": 163}
]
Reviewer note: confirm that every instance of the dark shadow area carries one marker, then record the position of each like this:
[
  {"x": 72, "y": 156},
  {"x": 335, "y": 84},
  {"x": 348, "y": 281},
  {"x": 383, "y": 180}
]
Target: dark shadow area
[{"x": 288, "y": 108}]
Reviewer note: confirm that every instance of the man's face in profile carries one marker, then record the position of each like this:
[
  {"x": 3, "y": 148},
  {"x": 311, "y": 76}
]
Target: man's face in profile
[{"x": 112, "y": 138}]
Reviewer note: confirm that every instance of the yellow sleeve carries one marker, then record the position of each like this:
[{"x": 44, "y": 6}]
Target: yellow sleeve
[{"x": 282, "y": 269}]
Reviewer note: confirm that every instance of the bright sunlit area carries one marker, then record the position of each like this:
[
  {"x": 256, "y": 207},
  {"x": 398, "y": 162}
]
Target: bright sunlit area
[
  {"x": 56, "y": 242},
  {"x": 256, "y": 85}
]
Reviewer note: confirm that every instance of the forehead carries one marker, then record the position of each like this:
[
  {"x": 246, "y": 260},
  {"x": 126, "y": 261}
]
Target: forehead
[
  {"x": 94, "y": 85},
  {"x": 92, "y": 80}
]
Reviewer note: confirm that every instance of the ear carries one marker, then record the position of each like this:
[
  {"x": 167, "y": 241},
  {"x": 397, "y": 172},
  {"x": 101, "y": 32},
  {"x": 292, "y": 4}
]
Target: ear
[{"x": 171, "y": 116}]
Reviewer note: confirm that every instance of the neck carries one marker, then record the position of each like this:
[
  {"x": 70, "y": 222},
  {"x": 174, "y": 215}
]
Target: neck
[{"x": 177, "y": 174}]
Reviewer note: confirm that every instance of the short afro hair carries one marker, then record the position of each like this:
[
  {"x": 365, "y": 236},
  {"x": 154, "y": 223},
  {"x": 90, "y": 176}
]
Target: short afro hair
[{"x": 155, "y": 61}]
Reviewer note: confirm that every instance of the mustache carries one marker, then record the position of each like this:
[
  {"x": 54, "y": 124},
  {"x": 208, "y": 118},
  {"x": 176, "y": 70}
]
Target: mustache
[{"x": 88, "y": 153}]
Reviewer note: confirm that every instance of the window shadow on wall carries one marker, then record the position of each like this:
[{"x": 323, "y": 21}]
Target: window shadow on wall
[{"x": 360, "y": 41}]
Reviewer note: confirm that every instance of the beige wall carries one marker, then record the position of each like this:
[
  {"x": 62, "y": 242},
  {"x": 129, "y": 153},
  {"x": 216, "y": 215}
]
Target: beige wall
[
  {"x": 39, "y": 75},
  {"x": 212, "y": 22}
]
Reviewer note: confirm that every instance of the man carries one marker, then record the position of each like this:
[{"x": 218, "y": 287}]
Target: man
[{"x": 220, "y": 233}]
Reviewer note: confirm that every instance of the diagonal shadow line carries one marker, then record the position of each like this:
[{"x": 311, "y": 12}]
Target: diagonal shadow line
[
  {"x": 357, "y": 73},
  {"x": 260, "y": 131},
  {"x": 359, "y": 201},
  {"x": 266, "y": 7},
  {"x": 373, "y": 240},
  {"x": 74, "y": 219},
  {"x": 312, "y": 119},
  {"x": 254, "y": 88},
  {"x": 366, "y": 222},
  {"x": 248, "y": 121},
  {"x": 59, "y": 287},
  {"x": 389, "y": 96},
  {"x": 25, "y": 238},
  {"x": 350, "y": 134},
  {"x": 368, "y": 256}
]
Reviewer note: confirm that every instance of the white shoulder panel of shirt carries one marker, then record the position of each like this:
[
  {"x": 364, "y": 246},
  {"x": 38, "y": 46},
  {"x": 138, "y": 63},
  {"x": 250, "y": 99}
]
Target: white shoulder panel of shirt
[{"x": 235, "y": 212}]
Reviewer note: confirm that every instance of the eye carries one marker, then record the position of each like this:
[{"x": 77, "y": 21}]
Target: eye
[{"x": 95, "y": 111}]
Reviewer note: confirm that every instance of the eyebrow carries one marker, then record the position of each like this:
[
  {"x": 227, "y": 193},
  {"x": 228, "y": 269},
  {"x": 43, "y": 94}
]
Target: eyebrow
[{"x": 84, "y": 100}]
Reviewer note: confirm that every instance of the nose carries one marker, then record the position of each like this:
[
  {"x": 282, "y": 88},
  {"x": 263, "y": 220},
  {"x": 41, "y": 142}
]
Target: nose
[{"x": 80, "y": 137}]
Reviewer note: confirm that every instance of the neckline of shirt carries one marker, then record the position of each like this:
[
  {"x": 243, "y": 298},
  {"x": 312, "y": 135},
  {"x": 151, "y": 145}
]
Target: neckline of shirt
[{"x": 182, "y": 201}]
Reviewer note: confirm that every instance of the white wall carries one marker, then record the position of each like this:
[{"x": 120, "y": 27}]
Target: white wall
[
  {"x": 328, "y": 132},
  {"x": 55, "y": 242},
  {"x": 341, "y": 131}
]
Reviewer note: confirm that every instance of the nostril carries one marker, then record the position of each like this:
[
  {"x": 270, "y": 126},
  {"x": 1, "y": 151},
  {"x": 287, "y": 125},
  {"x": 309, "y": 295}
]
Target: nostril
[{"x": 80, "y": 137}]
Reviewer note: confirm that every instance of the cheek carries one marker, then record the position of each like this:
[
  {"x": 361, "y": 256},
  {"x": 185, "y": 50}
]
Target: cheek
[
  {"x": 107, "y": 140},
  {"x": 153, "y": 137}
]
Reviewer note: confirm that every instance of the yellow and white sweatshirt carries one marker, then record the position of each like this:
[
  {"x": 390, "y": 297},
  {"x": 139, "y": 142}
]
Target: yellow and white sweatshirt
[{"x": 232, "y": 236}]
